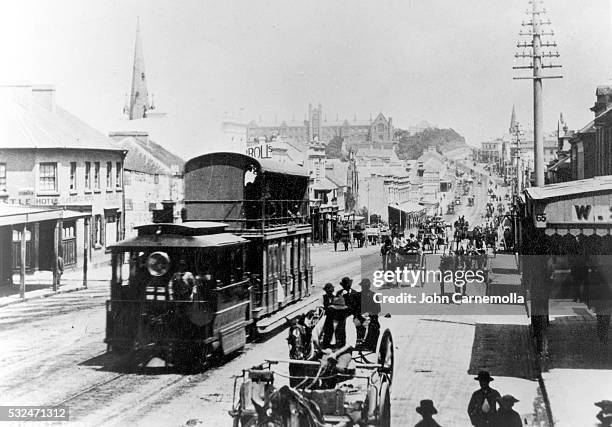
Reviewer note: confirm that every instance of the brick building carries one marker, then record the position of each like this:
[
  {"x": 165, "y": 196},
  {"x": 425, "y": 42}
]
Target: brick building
[{"x": 591, "y": 146}]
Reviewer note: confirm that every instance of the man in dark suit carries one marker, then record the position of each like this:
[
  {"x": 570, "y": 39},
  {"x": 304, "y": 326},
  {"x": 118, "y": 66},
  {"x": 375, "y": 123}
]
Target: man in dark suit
[{"x": 483, "y": 404}]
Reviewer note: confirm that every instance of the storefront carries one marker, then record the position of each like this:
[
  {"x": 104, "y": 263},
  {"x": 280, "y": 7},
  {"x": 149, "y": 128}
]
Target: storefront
[
  {"x": 563, "y": 227},
  {"x": 406, "y": 215},
  {"x": 32, "y": 239}
]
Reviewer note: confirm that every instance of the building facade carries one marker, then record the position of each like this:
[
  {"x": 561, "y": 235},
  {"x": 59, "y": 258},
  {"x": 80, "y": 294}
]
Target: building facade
[
  {"x": 50, "y": 158},
  {"x": 151, "y": 175},
  {"x": 316, "y": 125},
  {"x": 490, "y": 151}
]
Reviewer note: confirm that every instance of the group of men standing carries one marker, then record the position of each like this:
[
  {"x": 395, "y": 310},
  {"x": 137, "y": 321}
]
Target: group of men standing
[{"x": 341, "y": 305}]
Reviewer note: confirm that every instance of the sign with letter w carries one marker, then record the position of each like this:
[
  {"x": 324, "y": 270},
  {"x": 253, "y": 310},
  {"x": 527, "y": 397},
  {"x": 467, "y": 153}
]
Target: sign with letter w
[{"x": 592, "y": 214}]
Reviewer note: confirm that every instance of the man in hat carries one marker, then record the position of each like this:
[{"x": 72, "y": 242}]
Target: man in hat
[
  {"x": 367, "y": 325},
  {"x": 352, "y": 298},
  {"x": 427, "y": 410},
  {"x": 483, "y": 404},
  {"x": 605, "y": 415},
  {"x": 182, "y": 283},
  {"x": 506, "y": 416},
  {"x": 334, "y": 326},
  {"x": 338, "y": 342},
  {"x": 327, "y": 297},
  {"x": 385, "y": 251}
]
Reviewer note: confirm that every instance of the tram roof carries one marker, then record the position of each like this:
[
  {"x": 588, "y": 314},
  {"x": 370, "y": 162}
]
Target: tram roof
[
  {"x": 179, "y": 241},
  {"x": 569, "y": 189},
  {"x": 189, "y": 228},
  {"x": 265, "y": 165}
]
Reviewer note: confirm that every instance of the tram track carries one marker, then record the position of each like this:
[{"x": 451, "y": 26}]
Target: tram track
[{"x": 123, "y": 395}]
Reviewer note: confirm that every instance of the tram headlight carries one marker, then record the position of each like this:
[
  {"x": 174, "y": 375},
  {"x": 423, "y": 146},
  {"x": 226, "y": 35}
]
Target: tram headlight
[{"x": 158, "y": 264}]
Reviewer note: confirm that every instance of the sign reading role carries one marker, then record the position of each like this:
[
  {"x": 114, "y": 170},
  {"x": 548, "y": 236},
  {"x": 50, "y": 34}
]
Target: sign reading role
[{"x": 261, "y": 151}]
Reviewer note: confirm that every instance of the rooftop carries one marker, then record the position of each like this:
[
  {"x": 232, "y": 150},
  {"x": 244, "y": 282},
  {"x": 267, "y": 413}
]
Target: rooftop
[
  {"x": 147, "y": 156},
  {"x": 571, "y": 188},
  {"x": 25, "y": 122}
]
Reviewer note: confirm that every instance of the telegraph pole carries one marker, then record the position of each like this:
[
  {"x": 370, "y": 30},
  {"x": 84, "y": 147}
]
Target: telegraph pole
[{"x": 536, "y": 50}]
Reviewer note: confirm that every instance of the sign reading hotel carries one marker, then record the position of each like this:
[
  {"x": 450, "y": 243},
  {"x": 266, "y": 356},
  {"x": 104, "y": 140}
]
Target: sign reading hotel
[
  {"x": 261, "y": 151},
  {"x": 30, "y": 199}
]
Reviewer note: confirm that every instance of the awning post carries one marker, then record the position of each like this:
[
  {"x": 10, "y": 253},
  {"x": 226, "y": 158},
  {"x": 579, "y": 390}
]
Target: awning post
[
  {"x": 22, "y": 267},
  {"x": 85, "y": 250}
]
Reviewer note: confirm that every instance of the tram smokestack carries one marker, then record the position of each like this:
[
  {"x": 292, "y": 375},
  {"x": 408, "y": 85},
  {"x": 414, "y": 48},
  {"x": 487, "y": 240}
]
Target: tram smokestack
[{"x": 165, "y": 214}]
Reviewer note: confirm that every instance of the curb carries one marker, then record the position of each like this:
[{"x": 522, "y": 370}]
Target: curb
[{"x": 51, "y": 293}]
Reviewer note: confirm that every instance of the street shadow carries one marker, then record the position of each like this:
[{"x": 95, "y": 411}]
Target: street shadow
[
  {"x": 503, "y": 350},
  {"x": 109, "y": 362},
  {"x": 572, "y": 343},
  {"x": 145, "y": 362},
  {"x": 151, "y": 362},
  {"x": 14, "y": 289}
]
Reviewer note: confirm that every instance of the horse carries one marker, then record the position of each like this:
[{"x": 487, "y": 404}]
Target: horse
[
  {"x": 301, "y": 347},
  {"x": 300, "y": 334}
]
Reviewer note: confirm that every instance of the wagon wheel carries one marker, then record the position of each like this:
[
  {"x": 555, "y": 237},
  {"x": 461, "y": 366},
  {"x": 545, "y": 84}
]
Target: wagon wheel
[
  {"x": 384, "y": 408},
  {"x": 386, "y": 356}
]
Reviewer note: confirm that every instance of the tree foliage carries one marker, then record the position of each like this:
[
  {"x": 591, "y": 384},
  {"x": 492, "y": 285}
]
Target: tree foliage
[
  {"x": 413, "y": 146},
  {"x": 333, "y": 149}
]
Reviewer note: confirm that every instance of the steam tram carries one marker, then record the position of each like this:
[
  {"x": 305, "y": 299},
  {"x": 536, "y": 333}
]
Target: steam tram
[{"x": 237, "y": 265}]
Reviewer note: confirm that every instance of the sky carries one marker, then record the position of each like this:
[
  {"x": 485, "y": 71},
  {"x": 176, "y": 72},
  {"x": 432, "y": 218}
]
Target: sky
[{"x": 446, "y": 62}]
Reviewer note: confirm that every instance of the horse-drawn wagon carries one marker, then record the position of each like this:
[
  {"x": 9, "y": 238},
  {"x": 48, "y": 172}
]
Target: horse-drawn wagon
[
  {"x": 372, "y": 234},
  {"x": 320, "y": 391}
]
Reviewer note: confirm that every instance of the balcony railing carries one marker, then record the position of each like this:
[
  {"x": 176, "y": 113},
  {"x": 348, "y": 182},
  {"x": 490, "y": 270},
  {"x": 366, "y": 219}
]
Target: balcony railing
[{"x": 249, "y": 214}]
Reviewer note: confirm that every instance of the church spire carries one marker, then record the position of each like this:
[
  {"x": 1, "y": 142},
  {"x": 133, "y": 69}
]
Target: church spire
[
  {"x": 512, "y": 128},
  {"x": 139, "y": 98}
]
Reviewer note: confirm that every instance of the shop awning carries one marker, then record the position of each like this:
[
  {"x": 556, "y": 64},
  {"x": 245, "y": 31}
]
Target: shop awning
[
  {"x": 17, "y": 214},
  {"x": 324, "y": 185},
  {"x": 409, "y": 207},
  {"x": 571, "y": 188},
  {"x": 353, "y": 217}
]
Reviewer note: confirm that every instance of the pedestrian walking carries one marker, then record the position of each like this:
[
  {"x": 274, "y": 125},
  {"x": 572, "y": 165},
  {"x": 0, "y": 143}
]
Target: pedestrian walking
[
  {"x": 60, "y": 270},
  {"x": 427, "y": 410},
  {"x": 601, "y": 295},
  {"x": 337, "y": 236},
  {"x": 506, "y": 416},
  {"x": 483, "y": 404}
]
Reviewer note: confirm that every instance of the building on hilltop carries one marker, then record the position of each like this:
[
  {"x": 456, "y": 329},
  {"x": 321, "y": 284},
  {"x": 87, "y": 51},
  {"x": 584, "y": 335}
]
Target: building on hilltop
[{"x": 316, "y": 125}]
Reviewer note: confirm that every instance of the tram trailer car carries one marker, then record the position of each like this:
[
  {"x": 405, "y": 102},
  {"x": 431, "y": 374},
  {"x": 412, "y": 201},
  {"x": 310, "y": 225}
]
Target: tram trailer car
[{"x": 237, "y": 265}]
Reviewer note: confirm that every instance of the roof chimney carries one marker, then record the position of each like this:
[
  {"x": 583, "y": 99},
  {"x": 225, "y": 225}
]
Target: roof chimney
[{"x": 44, "y": 96}]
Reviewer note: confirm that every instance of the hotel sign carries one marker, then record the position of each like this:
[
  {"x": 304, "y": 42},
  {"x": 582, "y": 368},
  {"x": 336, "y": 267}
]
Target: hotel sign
[{"x": 64, "y": 200}]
